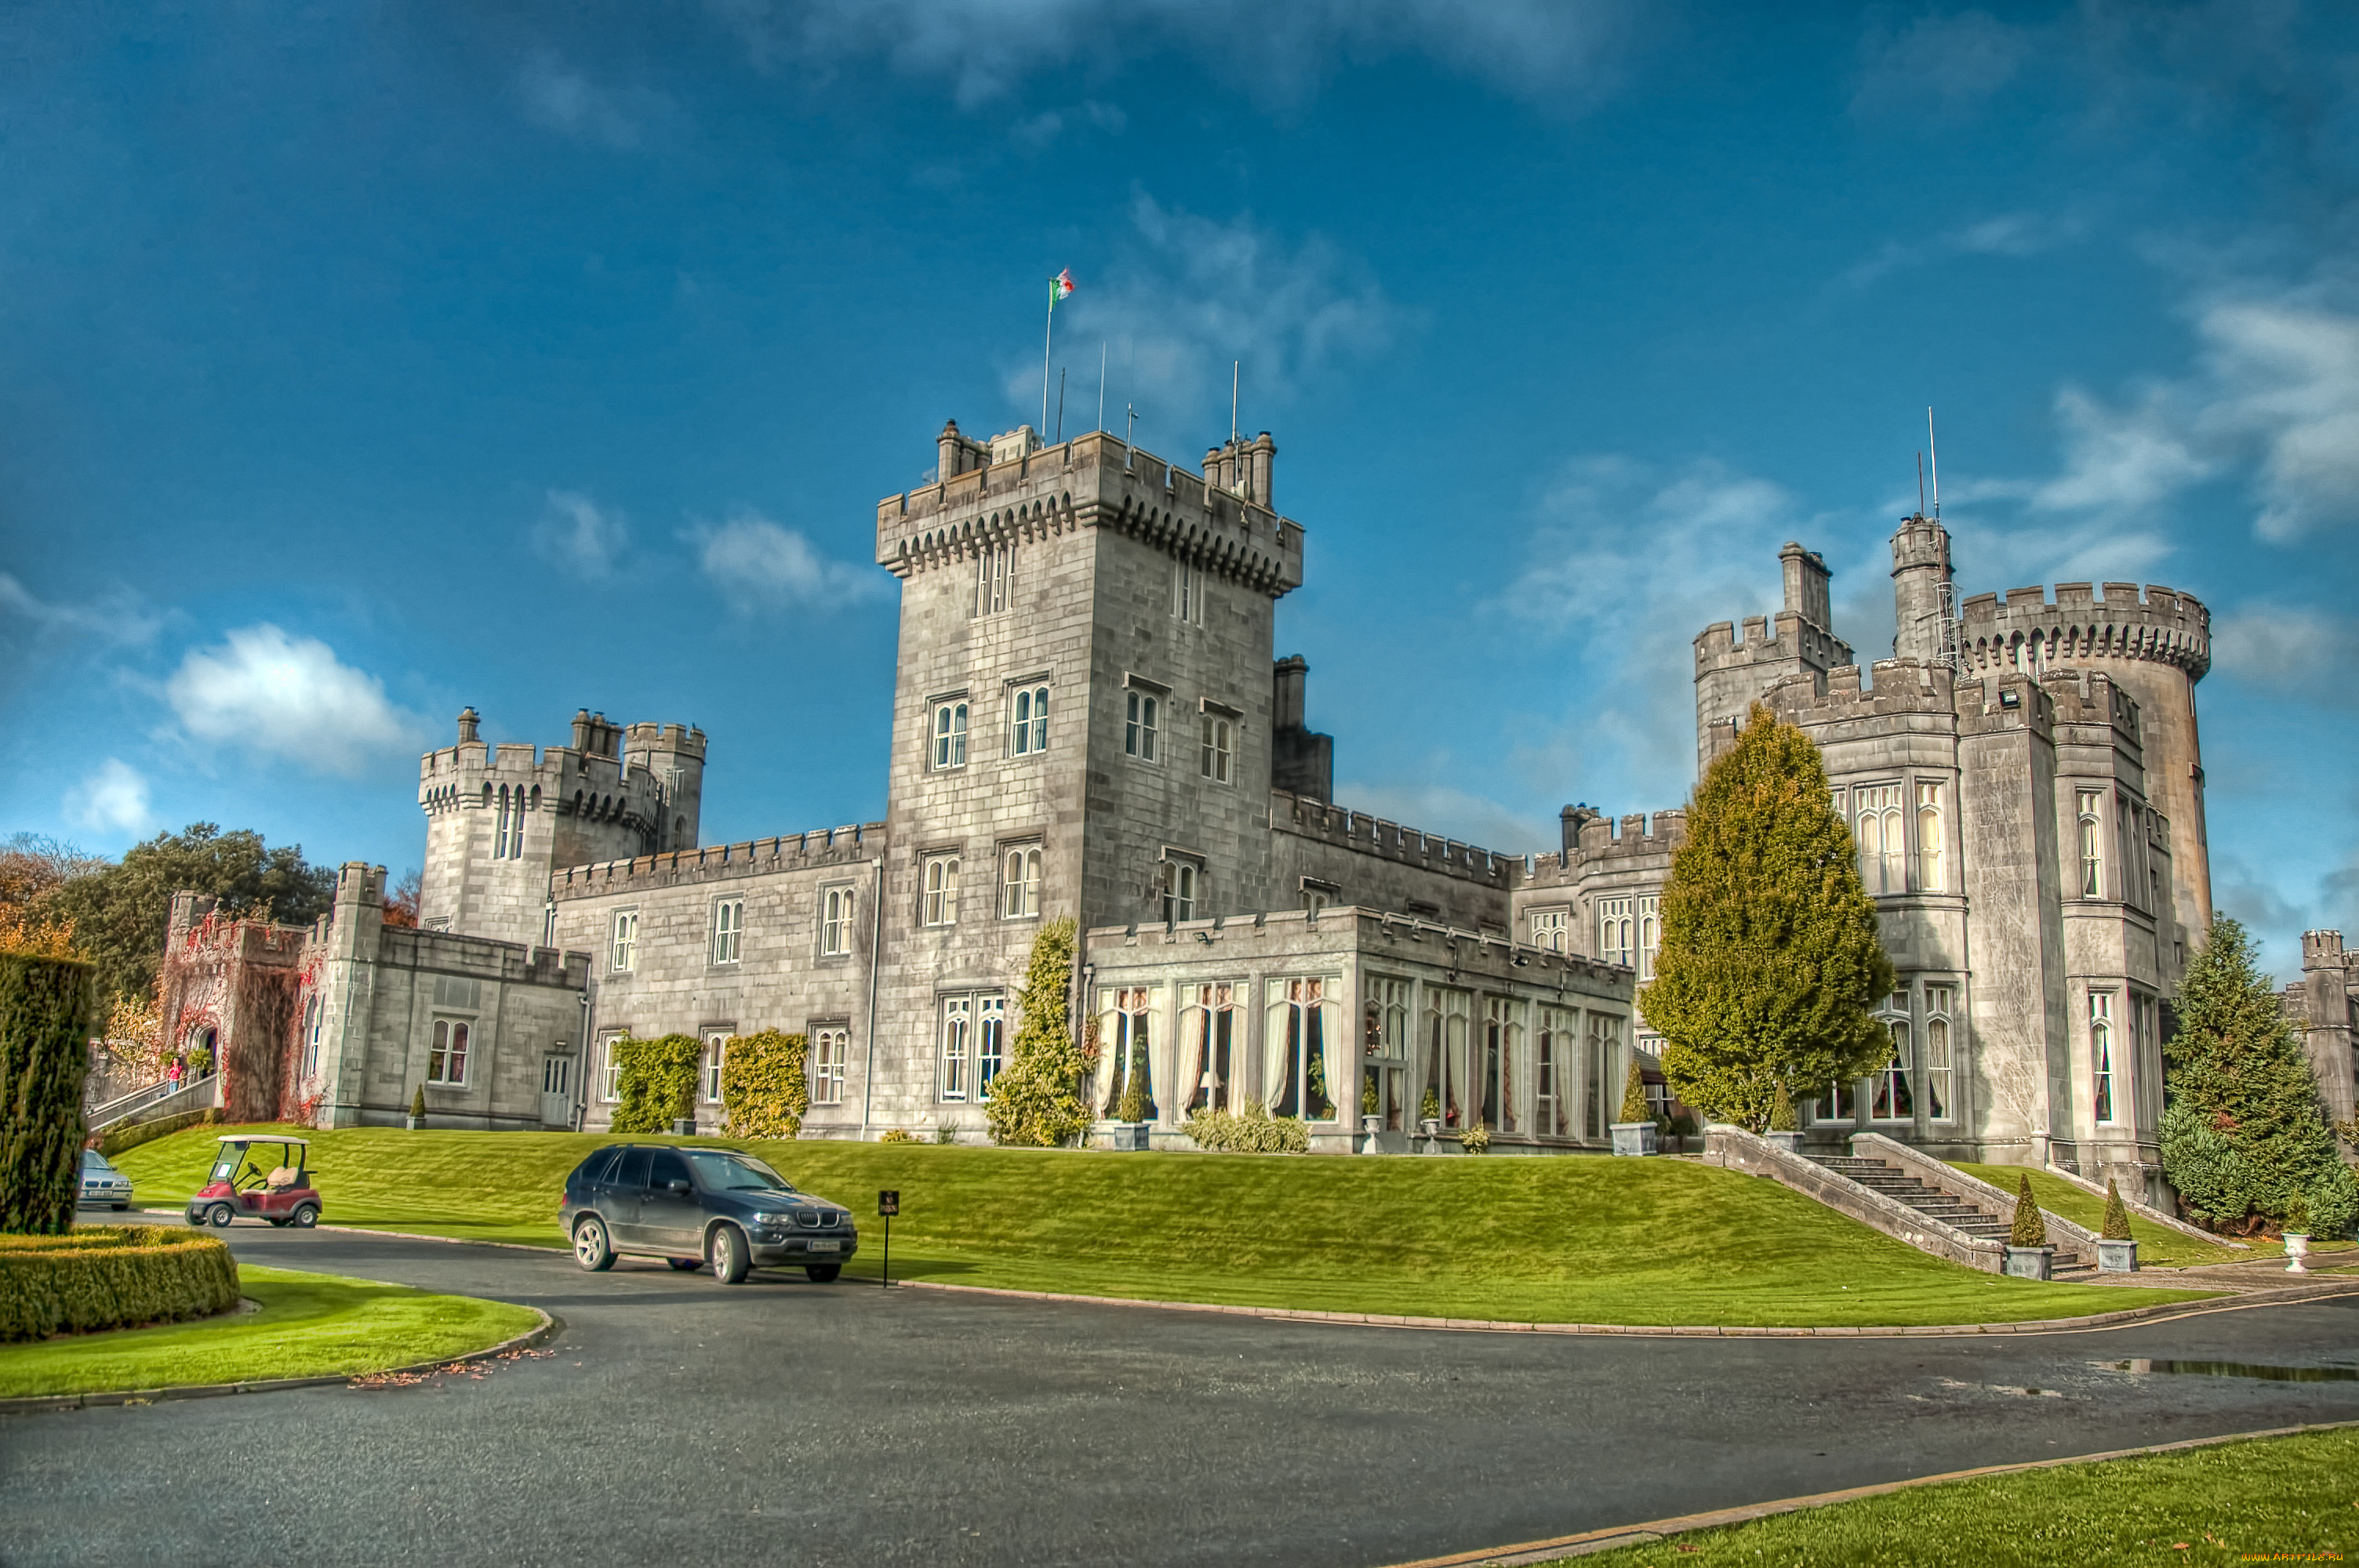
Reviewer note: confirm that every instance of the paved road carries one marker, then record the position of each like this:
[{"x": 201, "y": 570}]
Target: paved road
[{"x": 681, "y": 1422}]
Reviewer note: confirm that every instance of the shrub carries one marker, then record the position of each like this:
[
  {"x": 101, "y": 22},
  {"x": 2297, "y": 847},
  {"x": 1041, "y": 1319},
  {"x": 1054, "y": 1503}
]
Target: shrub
[
  {"x": 47, "y": 1006},
  {"x": 1135, "y": 1104},
  {"x": 658, "y": 1078},
  {"x": 1430, "y": 1108},
  {"x": 1782, "y": 1117},
  {"x": 2116, "y": 1226},
  {"x": 2031, "y": 1228},
  {"x": 897, "y": 1135},
  {"x": 1634, "y": 1098},
  {"x": 1035, "y": 1098},
  {"x": 1477, "y": 1139},
  {"x": 763, "y": 1087},
  {"x": 112, "y": 1276},
  {"x": 417, "y": 1103},
  {"x": 945, "y": 1133},
  {"x": 2297, "y": 1216},
  {"x": 1250, "y": 1131}
]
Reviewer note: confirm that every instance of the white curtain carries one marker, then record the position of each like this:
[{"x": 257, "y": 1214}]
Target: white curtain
[
  {"x": 1345, "y": 1097},
  {"x": 1190, "y": 1064},
  {"x": 1273, "y": 1047}
]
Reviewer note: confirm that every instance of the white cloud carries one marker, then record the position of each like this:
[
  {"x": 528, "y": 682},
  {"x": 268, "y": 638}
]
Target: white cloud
[
  {"x": 755, "y": 563},
  {"x": 118, "y": 618},
  {"x": 2118, "y": 458},
  {"x": 558, "y": 97},
  {"x": 1186, "y": 295},
  {"x": 112, "y": 799},
  {"x": 2012, "y": 235},
  {"x": 2281, "y": 381},
  {"x": 580, "y": 535},
  {"x": 985, "y": 48},
  {"x": 2288, "y": 649},
  {"x": 288, "y": 697}
]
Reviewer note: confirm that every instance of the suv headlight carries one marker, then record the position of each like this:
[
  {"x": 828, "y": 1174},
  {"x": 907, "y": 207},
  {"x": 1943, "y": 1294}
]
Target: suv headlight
[{"x": 774, "y": 1220}]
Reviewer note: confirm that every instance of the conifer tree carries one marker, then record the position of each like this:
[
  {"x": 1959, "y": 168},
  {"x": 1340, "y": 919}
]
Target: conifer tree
[
  {"x": 1035, "y": 1098},
  {"x": 2244, "y": 1136},
  {"x": 1770, "y": 961}
]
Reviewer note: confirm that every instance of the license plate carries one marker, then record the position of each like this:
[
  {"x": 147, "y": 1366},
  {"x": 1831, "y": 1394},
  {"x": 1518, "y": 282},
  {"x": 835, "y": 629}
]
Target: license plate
[{"x": 827, "y": 1245}]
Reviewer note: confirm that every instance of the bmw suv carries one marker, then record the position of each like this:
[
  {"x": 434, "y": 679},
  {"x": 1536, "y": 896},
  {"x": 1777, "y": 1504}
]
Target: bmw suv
[{"x": 690, "y": 1207}]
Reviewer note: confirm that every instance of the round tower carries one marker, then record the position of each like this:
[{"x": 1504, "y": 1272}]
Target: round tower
[{"x": 1920, "y": 571}]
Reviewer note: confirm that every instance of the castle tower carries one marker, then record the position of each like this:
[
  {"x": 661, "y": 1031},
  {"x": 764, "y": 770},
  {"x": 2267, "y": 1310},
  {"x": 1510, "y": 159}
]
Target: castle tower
[
  {"x": 1732, "y": 675},
  {"x": 672, "y": 755},
  {"x": 1921, "y": 600}
]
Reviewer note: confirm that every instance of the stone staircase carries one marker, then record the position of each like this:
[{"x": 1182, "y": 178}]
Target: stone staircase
[{"x": 1951, "y": 1207}]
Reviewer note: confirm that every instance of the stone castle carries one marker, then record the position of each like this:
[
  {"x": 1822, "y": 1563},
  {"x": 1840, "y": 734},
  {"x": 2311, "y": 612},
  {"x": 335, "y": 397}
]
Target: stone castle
[{"x": 1089, "y": 722}]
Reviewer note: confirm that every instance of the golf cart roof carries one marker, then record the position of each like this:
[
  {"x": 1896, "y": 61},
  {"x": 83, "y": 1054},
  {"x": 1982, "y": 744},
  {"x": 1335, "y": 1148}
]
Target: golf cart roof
[{"x": 262, "y": 1138}]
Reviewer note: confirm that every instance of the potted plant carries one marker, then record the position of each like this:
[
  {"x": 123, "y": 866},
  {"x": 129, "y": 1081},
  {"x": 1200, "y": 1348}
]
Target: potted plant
[
  {"x": 1476, "y": 1138},
  {"x": 1372, "y": 1121},
  {"x": 1428, "y": 1115},
  {"x": 2296, "y": 1235},
  {"x": 2028, "y": 1256},
  {"x": 2116, "y": 1249},
  {"x": 1635, "y": 1132},
  {"x": 418, "y": 1109},
  {"x": 683, "y": 1111},
  {"x": 1134, "y": 1111},
  {"x": 1785, "y": 1126}
]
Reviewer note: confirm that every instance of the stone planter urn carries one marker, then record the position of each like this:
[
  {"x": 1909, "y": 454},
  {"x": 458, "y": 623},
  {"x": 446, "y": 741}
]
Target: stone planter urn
[
  {"x": 1371, "y": 1129},
  {"x": 1790, "y": 1142},
  {"x": 2296, "y": 1248},
  {"x": 1635, "y": 1137},
  {"x": 683, "y": 1126},
  {"x": 1431, "y": 1130},
  {"x": 1130, "y": 1137},
  {"x": 414, "y": 1122},
  {"x": 2116, "y": 1257},
  {"x": 2031, "y": 1263}
]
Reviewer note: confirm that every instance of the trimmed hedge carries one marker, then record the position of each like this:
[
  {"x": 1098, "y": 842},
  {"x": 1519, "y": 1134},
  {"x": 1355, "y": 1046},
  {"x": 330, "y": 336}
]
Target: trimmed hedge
[
  {"x": 111, "y": 1276},
  {"x": 1250, "y": 1131},
  {"x": 46, "y": 1007},
  {"x": 764, "y": 1086},
  {"x": 657, "y": 1080},
  {"x": 114, "y": 1140}
]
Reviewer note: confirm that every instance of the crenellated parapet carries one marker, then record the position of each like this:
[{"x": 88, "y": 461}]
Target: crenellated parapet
[
  {"x": 2025, "y": 631},
  {"x": 2090, "y": 697},
  {"x": 829, "y": 847},
  {"x": 1095, "y": 480},
  {"x": 1892, "y": 687},
  {"x": 1306, "y": 818},
  {"x": 1768, "y": 639}
]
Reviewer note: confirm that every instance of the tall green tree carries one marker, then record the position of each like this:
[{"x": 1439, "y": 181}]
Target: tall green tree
[
  {"x": 119, "y": 913},
  {"x": 1771, "y": 963},
  {"x": 2244, "y": 1137},
  {"x": 1036, "y": 1099},
  {"x": 45, "y": 1011}
]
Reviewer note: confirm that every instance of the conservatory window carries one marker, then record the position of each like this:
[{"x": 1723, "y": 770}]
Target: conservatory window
[
  {"x": 1210, "y": 1031},
  {"x": 1298, "y": 1048}
]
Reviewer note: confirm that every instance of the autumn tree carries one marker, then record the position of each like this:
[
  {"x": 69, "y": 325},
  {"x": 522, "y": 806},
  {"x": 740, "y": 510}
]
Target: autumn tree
[{"x": 1771, "y": 963}]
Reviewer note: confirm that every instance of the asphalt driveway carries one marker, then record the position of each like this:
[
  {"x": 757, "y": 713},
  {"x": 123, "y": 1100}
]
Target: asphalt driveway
[{"x": 784, "y": 1421}]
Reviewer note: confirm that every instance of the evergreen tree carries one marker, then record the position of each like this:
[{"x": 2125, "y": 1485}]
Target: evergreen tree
[
  {"x": 2244, "y": 1136},
  {"x": 1770, "y": 962},
  {"x": 1035, "y": 1098},
  {"x": 2030, "y": 1226}
]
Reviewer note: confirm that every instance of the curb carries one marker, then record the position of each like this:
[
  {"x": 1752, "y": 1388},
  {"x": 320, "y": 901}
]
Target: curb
[
  {"x": 410, "y": 1236},
  {"x": 2099, "y": 1322},
  {"x": 550, "y": 1327},
  {"x": 1607, "y": 1539}
]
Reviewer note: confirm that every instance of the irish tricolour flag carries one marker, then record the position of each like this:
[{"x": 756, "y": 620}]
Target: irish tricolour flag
[{"x": 1059, "y": 286}]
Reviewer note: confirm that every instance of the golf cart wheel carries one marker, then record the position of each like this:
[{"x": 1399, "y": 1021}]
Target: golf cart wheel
[
  {"x": 685, "y": 1265},
  {"x": 590, "y": 1248},
  {"x": 220, "y": 1214},
  {"x": 196, "y": 1219},
  {"x": 729, "y": 1258},
  {"x": 822, "y": 1273},
  {"x": 305, "y": 1216}
]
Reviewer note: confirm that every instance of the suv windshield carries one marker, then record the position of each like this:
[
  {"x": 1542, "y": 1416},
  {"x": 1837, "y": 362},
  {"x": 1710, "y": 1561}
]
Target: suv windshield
[{"x": 717, "y": 1171}]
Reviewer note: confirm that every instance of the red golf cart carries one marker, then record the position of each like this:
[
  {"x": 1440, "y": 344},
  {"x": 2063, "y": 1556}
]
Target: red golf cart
[{"x": 246, "y": 1182}]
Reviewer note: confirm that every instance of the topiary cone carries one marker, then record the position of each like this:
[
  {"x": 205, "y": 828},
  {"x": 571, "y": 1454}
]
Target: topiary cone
[
  {"x": 1634, "y": 1096},
  {"x": 1782, "y": 1116},
  {"x": 2117, "y": 1215},
  {"x": 417, "y": 1102},
  {"x": 2030, "y": 1226}
]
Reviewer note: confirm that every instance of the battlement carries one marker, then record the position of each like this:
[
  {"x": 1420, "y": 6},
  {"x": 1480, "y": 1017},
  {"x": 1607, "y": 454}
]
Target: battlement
[
  {"x": 1786, "y": 635},
  {"x": 2324, "y": 950},
  {"x": 1894, "y": 687},
  {"x": 2089, "y": 697},
  {"x": 2025, "y": 631},
  {"x": 847, "y": 846},
  {"x": 1358, "y": 831},
  {"x": 595, "y": 778},
  {"x": 1637, "y": 834},
  {"x": 686, "y": 739},
  {"x": 482, "y": 958},
  {"x": 1095, "y": 480}
]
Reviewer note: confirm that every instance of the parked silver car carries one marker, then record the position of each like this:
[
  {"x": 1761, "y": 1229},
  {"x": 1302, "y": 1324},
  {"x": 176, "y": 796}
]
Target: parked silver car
[{"x": 102, "y": 1184}]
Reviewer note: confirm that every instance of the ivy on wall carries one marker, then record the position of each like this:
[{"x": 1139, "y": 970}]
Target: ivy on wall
[
  {"x": 656, "y": 1081},
  {"x": 764, "y": 1086}
]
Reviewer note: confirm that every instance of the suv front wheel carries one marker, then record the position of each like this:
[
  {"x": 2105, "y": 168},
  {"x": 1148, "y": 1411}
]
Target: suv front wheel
[
  {"x": 728, "y": 1254},
  {"x": 592, "y": 1249}
]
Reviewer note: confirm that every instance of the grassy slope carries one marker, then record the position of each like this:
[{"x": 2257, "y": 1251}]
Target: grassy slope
[
  {"x": 2224, "y": 1504},
  {"x": 309, "y": 1325},
  {"x": 2158, "y": 1247},
  {"x": 1640, "y": 1241}
]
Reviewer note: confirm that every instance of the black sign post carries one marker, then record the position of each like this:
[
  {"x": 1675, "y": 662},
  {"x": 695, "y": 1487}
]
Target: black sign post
[{"x": 888, "y": 1204}]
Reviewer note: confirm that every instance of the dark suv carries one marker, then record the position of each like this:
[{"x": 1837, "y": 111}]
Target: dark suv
[{"x": 695, "y": 1206}]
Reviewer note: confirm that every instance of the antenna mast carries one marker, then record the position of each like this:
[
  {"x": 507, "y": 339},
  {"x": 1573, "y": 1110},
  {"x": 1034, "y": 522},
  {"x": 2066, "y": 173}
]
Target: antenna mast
[
  {"x": 1933, "y": 448},
  {"x": 1235, "y": 367}
]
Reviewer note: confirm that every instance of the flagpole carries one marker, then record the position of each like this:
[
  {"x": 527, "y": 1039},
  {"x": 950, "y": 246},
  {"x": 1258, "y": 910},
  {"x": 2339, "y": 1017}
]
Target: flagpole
[{"x": 1047, "y": 334}]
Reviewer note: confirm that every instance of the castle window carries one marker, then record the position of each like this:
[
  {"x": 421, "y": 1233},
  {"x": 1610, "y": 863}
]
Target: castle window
[
  {"x": 1317, "y": 897},
  {"x": 1617, "y": 932},
  {"x": 1141, "y": 713},
  {"x": 940, "y": 883},
  {"x": 626, "y": 948},
  {"x": 1650, "y": 934},
  {"x": 958, "y": 1043},
  {"x": 974, "y": 1036},
  {"x": 2092, "y": 841},
  {"x": 315, "y": 1014},
  {"x": 1940, "y": 1001},
  {"x": 1179, "y": 890},
  {"x": 500, "y": 828},
  {"x": 1890, "y": 1098},
  {"x": 829, "y": 1045},
  {"x": 1599, "y": 1076},
  {"x": 728, "y": 926},
  {"x": 950, "y": 735},
  {"x": 1218, "y": 740},
  {"x": 446, "y": 1059},
  {"x": 993, "y": 566},
  {"x": 1187, "y": 592},
  {"x": 1301, "y": 1031},
  {"x": 1020, "y": 883},
  {"x": 716, "y": 1048},
  {"x": 1929, "y": 838},
  {"x": 1212, "y": 1031},
  {"x": 1028, "y": 734},
  {"x": 1551, "y": 929},
  {"x": 2101, "y": 1053},
  {"x": 1503, "y": 1062},
  {"x": 1125, "y": 1022},
  {"x": 610, "y": 1057},
  {"x": 835, "y": 921},
  {"x": 1883, "y": 858},
  {"x": 1550, "y": 1045},
  {"x": 1442, "y": 1070}
]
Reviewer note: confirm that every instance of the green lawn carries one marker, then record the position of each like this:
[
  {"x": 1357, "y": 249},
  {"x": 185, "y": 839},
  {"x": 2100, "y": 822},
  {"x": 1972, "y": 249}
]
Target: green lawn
[
  {"x": 2235, "y": 1501},
  {"x": 1549, "y": 1240},
  {"x": 2159, "y": 1247},
  {"x": 309, "y": 1325}
]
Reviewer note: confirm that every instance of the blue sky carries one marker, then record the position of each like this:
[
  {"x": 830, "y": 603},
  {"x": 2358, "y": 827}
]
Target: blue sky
[{"x": 357, "y": 363}]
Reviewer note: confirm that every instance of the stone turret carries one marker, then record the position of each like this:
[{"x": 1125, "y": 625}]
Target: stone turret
[
  {"x": 1920, "y": 572},
  {"x": 1732, "y": 674}
]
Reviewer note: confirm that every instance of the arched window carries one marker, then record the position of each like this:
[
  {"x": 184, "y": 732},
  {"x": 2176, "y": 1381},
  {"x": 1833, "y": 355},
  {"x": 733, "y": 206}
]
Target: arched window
[
  {"x": 942, "y": 879},
  {"x": 1020, "y": 882},
  {"x": 2092, "y": 843},
  {"x": 1218, "y": 743},
  {"x": 1029, "y": 734},
  {"x": 1890, "y": 1097},
  {"x": 950, "y": 735},
  {"x": 1940, "y": 1002},
  {"x": 1179, "y": 890},
  {"x": 1882, "y": 864},
  {"x": 2101, "y": 1051},
  {"x": 1929, "y": 838}
]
